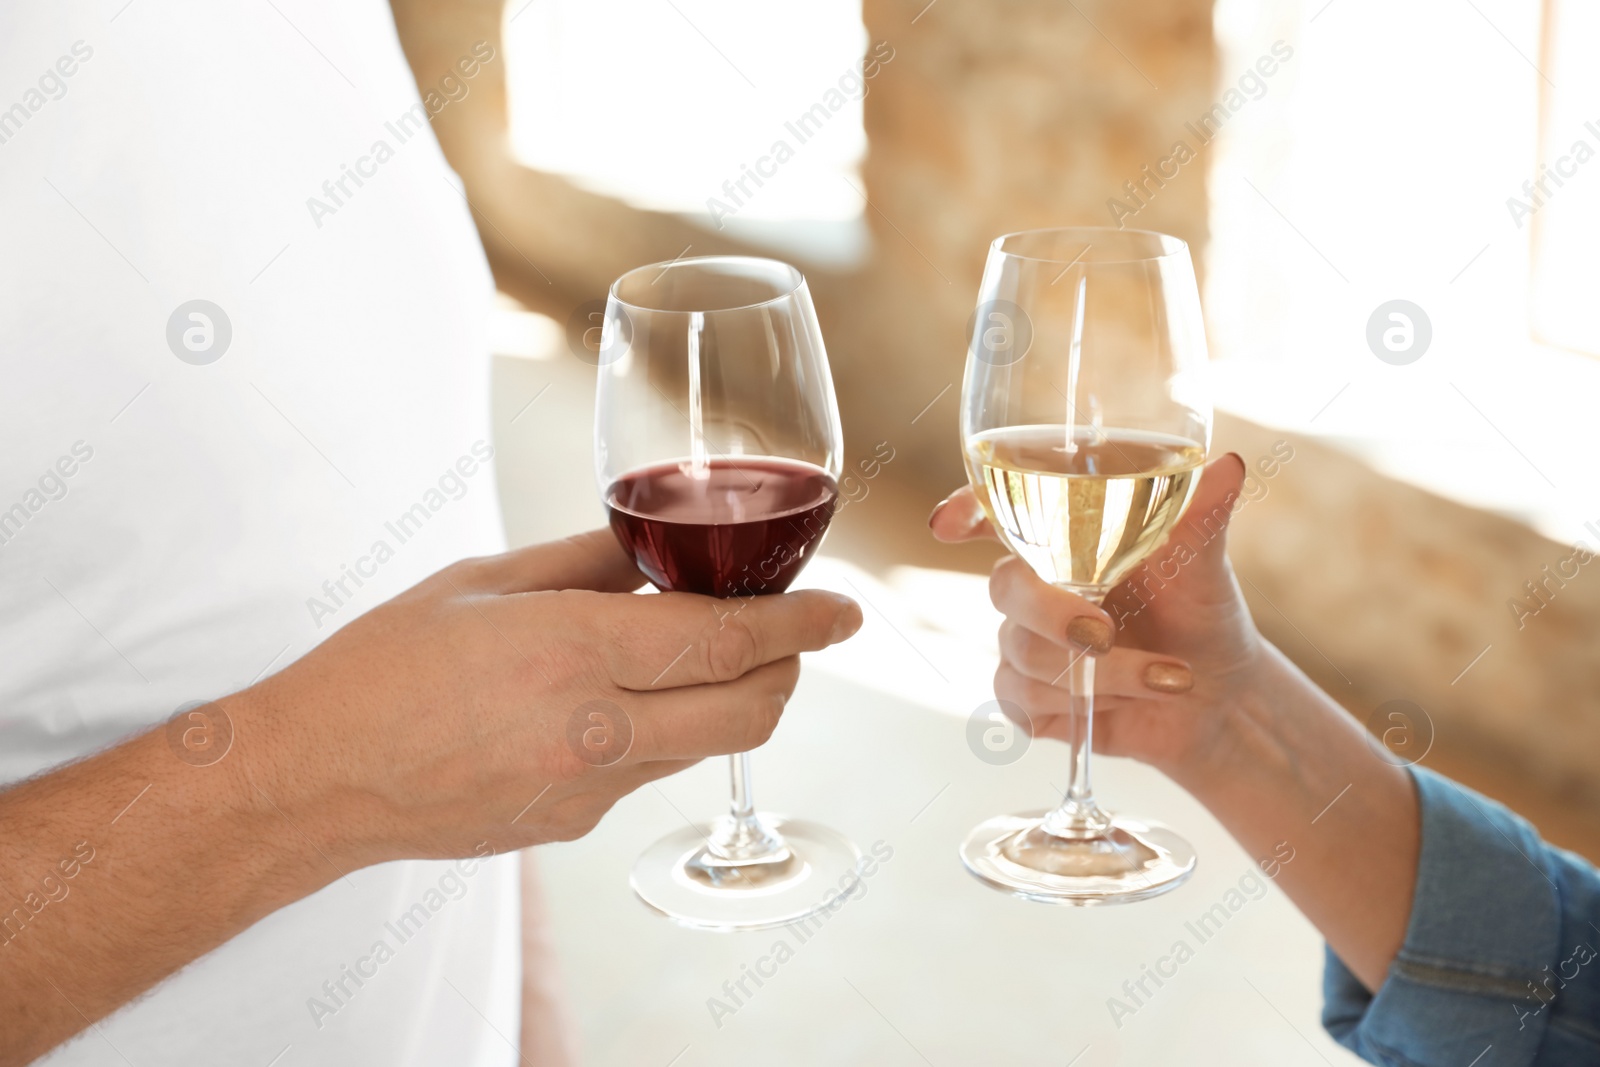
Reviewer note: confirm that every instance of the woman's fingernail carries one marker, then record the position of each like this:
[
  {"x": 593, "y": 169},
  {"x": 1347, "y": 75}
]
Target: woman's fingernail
[
  {"x": 1168, "y": 678},
  {"x": 934, "y": 515},
  {"x": 1091, "y": 633}
]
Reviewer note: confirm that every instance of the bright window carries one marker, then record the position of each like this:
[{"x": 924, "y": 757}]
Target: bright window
[
  {"x": 673, "y": 105},
  {"x": 1566, "y": 225},
  {"x": 1378, "y": 166}
]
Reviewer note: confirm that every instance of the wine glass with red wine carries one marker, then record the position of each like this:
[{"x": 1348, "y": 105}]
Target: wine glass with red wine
[{"x": 718, "y": 449}]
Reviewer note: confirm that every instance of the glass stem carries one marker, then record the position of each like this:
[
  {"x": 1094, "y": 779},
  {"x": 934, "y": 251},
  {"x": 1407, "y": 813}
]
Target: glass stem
[
  {"x": 741, "y": 836},
  {"x": 1078, "y": 816},
  {"x": 743, "y": 805}
]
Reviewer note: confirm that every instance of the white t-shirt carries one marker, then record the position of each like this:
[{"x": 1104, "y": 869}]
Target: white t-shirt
[{"x": 179, "y": 517}]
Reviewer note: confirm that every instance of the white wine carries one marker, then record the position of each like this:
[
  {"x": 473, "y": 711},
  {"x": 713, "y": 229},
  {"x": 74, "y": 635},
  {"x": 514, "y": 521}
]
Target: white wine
[{"x": 1082, "y": 511}]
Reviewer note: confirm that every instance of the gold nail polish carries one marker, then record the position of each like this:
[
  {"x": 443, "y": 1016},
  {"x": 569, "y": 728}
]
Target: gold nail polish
[
  {"x": 1091, "y": 633},
  {"x": 1168, "y": 678}
]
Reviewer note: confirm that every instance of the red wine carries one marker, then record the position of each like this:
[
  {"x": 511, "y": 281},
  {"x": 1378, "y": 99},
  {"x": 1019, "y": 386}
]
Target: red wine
[{"x": 738, "y": 527}]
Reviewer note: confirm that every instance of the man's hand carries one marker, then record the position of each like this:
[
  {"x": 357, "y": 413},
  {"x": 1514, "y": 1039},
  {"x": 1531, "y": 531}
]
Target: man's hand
[{"x": 453, "y": 714}]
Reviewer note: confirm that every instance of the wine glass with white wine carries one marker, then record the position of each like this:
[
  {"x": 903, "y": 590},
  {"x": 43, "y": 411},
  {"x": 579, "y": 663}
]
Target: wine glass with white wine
[{"x": 1085, "y": 422}]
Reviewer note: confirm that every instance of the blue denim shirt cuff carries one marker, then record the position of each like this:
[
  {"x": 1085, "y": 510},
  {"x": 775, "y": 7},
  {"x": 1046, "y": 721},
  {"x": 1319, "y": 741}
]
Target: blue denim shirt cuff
[{"x": 1485, "y": 924}]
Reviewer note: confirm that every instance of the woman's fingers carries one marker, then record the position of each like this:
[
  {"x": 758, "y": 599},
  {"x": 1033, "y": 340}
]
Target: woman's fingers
[
  {"x": 1119, "y": 729},
  {"x": 959, "y": 517},
  {"x": 1064, "y": 618},
  {"x": 1124, "y": 672},
  {"x": 1195, "y": 553}
]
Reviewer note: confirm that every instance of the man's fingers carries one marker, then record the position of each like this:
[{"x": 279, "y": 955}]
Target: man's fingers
[
  {"x": 575, "y": 810},
  {"x": 1124, "y": 672},
  {"x": 626, "y": 777},
  {"x": 591, "y": 560},
  {"x": 695, "y": 721},
  {"x": 1056, "y": 614},
  {"x": 679, "y": 639},
  {"x": 959, "y": 517}
]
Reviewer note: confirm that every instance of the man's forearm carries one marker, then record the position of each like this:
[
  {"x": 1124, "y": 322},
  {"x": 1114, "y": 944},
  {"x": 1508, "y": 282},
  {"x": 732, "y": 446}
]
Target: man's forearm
[
  {"x": 120, "y": 869},
  {"x": 411, "y": 732},
  {"x": 1296, "y": 769}
]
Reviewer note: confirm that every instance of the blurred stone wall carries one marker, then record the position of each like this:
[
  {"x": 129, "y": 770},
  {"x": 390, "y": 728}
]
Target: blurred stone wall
[
  {"x": 1465, "y": 633},
  {"x": 1016, "y": 113},
  {"x": 991, "y": 117}
]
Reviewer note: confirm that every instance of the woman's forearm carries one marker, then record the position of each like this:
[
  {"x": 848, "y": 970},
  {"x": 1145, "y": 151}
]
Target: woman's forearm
[{"x": 1291, "y": 766}]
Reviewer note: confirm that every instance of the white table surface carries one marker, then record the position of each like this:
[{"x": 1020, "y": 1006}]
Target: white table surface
[{"x": 929, "y": 967}]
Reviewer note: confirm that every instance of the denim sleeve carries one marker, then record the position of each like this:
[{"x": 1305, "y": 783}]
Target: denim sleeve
[{"x": 1499, "y": 966}]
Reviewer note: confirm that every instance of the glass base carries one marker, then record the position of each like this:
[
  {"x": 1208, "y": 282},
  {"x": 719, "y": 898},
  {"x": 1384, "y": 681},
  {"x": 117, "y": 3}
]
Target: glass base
[
  {"x": 681, "y": 878},
  {"x": 1129, "y": 860}
]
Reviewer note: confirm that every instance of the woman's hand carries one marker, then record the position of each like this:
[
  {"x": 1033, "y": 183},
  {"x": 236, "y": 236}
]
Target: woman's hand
[
  {"x": 1172, "y": 644},
  {"x": 1185, "y": 683}
]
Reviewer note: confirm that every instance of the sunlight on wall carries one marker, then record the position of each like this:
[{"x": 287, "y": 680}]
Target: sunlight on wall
[
  {"x": 1567, "y": 219},
  {"x": 1377, "y": 166},
  {"x": 667, "y": 104}
]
